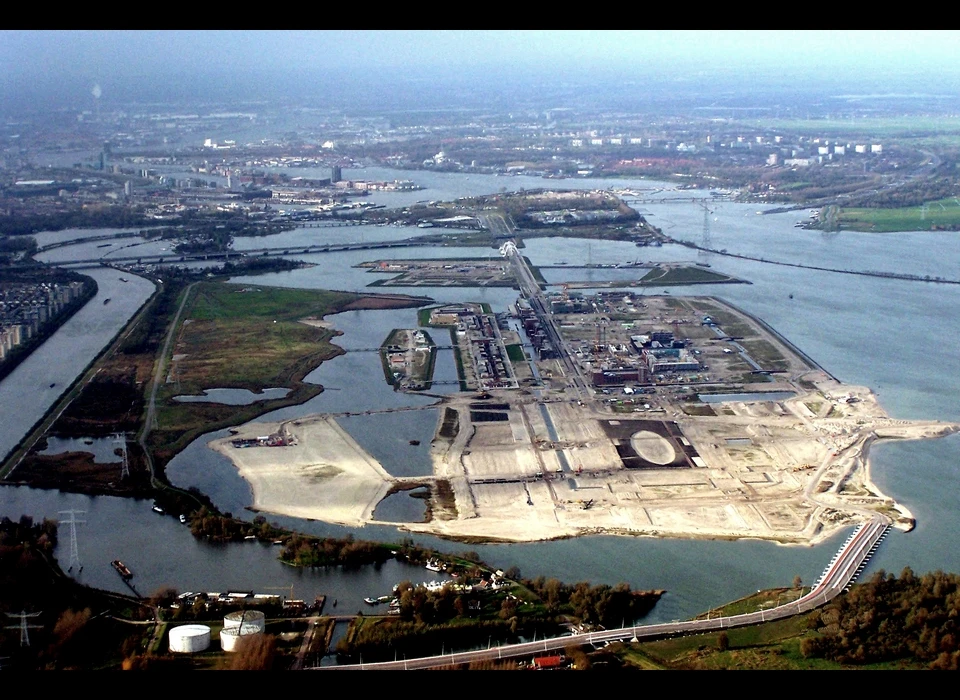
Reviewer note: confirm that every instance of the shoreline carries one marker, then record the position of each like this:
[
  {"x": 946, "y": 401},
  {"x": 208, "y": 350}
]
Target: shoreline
[
  {"x": 350, "y": 491},
  {"x": 794, "y": 471}
]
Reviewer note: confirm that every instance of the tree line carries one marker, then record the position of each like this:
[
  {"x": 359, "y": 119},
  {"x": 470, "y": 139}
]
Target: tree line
[{"x": 892, "y": 618}]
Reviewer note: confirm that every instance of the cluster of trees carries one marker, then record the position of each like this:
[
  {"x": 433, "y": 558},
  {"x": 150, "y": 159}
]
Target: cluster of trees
[
  {"x": 257, "y": 265},
  {"x": 812, "y": 182},
  {"x": 911, "y": 194},
  {"x": 519, "y": 206},
  {"x": 410, "y": 215},
  {"x": 435, "y": 607},
  {"x": 40, "y": 536},
  {"x": 107, "y": 404},
  {"x": 147, "y": 336},
  {"x": 892, "y": 618},
  {"x": 609, "y": 606},
  {"x": 207, "y": 524},
  {"x": 208, "y": 233},
  {"x": 12, "y": 245},
  {"x": 96, "y": 217},
  {"x": 461, "y": 618},
  {"x": 329, "y": 551}
]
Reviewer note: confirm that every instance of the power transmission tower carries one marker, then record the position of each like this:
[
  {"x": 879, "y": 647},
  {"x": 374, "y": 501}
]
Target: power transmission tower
[
  {"x": 706, "y": 242},
  {"x": 24, "y": 627},
  {"x": 73, "y": 522},
  {"x": 121, "y": 438}
]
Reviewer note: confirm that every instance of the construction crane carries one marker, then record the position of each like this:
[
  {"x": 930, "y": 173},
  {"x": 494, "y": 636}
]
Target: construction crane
[{"x": 281, "y": 588}]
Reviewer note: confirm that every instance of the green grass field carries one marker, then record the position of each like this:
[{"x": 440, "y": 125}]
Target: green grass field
[
  {"x": 515, "y": 353},
  {"x": 943, "y": 214},
  {"x": 241, "y": 337},
  {"x": 872, "y": 129},
  {"x": 251, "y": 336}
]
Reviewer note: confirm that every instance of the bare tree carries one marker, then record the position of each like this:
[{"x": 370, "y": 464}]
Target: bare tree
[{"x": 255, "y": 652}]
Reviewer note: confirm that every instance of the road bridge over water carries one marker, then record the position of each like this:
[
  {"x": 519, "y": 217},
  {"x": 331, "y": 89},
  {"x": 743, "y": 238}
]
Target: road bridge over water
[
  {"x": 172, "y": 258},
  {"x": 838, "y": 575}
]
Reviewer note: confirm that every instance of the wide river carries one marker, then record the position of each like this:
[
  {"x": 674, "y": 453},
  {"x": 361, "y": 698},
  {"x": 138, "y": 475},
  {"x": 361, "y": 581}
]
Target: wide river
[{"x": 897, "y": 337}]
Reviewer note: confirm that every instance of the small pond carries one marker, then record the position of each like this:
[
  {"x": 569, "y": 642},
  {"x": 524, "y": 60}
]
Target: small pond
[{"x": 234, "y": 397}]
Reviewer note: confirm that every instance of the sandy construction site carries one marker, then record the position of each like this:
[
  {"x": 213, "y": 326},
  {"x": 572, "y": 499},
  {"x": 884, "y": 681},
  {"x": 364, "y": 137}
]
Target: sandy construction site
[
  {"x": 540, "y": 463},
  {"x": 772, "y": 470},
  {"x": 321, "y": 473}
]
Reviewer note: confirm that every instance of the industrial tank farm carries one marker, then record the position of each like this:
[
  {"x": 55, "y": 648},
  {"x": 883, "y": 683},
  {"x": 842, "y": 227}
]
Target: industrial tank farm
[
  {"x": 189, "y": 639},
  {"x": 239, "y": 624}
]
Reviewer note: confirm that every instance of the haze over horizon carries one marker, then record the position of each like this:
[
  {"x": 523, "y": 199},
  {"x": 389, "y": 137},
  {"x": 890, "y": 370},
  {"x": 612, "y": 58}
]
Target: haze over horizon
[{"x": 463, "y": 68}]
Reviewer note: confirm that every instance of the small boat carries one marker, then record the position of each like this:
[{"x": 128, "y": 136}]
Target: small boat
[
  {"x": 53, "y": 385},
  {"x": 183, "y": 518},
  {"x": 122, "y": 569},
  {"x": 414, "y": 442},
  {"x": 106, "y": 301},
  {"x": 158, "y": 509}
]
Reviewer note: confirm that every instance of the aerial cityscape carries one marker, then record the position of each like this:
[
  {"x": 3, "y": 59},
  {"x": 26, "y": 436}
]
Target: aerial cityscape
[{"x": 479, "y": 350}]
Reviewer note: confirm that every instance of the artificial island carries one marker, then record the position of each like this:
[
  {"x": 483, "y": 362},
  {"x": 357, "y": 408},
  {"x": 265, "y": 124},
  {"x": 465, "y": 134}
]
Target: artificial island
[{"x": 612, "y": 412}]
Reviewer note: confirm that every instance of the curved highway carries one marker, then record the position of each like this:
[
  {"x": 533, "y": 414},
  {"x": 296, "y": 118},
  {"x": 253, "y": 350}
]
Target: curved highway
[{"x": 841, "y": 571}]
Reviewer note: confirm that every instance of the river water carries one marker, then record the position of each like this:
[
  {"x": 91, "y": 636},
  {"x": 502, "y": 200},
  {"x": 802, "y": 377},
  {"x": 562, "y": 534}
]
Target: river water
[
  {"x": 33, "y": 387},
  {"x": 897, "y": 337}
]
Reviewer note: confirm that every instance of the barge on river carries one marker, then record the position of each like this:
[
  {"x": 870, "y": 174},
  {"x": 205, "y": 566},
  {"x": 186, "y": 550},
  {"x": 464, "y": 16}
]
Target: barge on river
[{"x": 122, "y": 569}]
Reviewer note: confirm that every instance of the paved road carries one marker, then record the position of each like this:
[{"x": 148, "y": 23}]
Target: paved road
[
  {"x": 841, "y": 571},
  {"x": 158, "y": 377}
]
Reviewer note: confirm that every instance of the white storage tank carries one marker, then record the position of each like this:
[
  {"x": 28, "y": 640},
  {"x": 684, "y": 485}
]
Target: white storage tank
[
  {"x": 230, "y": 637},
  {"x": 189, "y": 639},
  {"x": 245, "y": 617}
]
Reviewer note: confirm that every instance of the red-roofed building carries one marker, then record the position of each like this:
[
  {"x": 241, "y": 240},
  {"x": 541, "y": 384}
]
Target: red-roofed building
[{"x": 548, "y": 662}]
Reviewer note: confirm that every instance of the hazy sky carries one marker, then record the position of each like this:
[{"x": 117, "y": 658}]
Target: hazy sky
[
  {"x": 134, "y": 52},
  {"x": 70, "y": 59}
]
